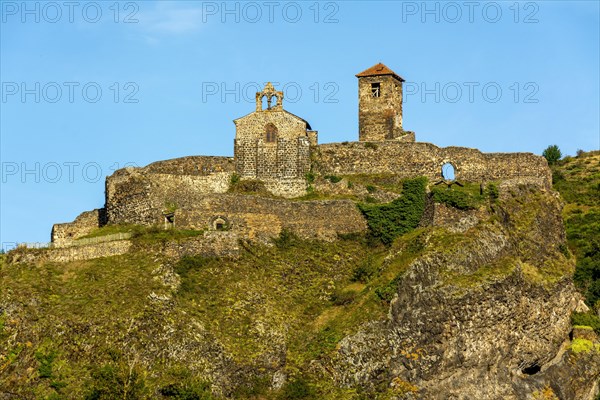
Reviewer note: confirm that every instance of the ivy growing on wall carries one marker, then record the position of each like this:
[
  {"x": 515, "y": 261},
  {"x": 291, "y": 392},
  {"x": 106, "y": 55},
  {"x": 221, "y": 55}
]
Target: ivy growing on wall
[{"x": 388, "y": 221}]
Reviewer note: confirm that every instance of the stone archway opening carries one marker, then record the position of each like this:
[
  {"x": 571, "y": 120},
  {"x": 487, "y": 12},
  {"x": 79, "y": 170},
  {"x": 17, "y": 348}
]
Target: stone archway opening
[
  {"x": 273, "y": 101},
  {"x": 449, "y": 171},
  {"x": 264, "y": 102},
  {"x": 220, "y": 224}
]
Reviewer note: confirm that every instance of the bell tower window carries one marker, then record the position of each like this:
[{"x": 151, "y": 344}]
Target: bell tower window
[{"x": 376, "y": 89}]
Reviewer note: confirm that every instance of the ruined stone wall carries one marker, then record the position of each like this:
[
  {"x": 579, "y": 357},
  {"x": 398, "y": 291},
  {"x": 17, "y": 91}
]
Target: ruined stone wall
[
  {"x": 379, "y": 118},
  {"x": 212, "y": 244},
  {"x": 143, "y": 195},
  {"x": 193, "y": 165},
  {"x": 75, "y": 253},
  {"x": 138, "y": 198},
  {"x": 425, "y": 159},
  {"x": 85, "y": 223},
  {"x": 260, "y": 218},
  {"x": 287, "y": 188}
]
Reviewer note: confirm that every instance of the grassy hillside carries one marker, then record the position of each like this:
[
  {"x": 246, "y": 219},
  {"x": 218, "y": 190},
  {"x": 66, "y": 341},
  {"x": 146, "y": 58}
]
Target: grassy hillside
[
  {"x": 141, "y": 325},
  {"x": 84, "y": 327},
  {"x": 578, "y": 181}
]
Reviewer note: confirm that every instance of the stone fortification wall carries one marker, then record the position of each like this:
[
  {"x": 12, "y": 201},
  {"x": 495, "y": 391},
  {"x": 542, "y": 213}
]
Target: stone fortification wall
[
  {"x": 138, "y": 197},
  {"x": 212, "y": 244},
  {"x": 74, "y": 253},
  {"x": 425, "y": 159},
  {"x": 133, "y": 197},
  {"x": 194, "y": 165},
  {"x": 260, "y": 218},
  {"x": 85, "y": 223}
]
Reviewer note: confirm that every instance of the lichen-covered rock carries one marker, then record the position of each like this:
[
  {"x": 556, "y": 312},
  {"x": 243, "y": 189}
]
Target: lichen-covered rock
[{"x": 485, "y": 317}]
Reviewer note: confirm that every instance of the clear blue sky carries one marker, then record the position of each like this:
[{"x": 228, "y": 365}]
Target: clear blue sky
[{"x": 498, "y": 76}]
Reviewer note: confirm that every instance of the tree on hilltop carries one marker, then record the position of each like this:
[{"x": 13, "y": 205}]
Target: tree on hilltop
[{"x": 552, "y": 154}]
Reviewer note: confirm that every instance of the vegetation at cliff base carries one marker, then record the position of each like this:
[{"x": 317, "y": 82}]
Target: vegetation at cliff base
[{"x": 468, "y": 197}]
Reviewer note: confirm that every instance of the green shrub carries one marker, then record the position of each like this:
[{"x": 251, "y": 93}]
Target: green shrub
[
  {"x": 579, "y": 345},
  {"x": 492, "y": 191},
  {"x": 333, "y": 178},
  {"x": 365, "y": 270},
  {"x": 369, "y": 145},
  {"x": 586, "y": 319},
  {"x": 371, "y": 189},
  {"x": 286, "y": 239},
  {"x": 2, "y": 325},
  {"x": 343, "y": 297},
  {"x": 465, "y": 198},
  {"x": 310, "y": 177},
  {"x": 557, "y": 177},
  {"x": 116, "y": 382},
  {"x": 58, "y": 385},
  {"x": 387, "y": 291},
  {"x": 297, "y": 388},
  {"x": 390, "y": 220},
  {"x": 235, "y": 178},
  {"x": 582, "y": 235},
  {"x": 187, "y": 391},
  {"x": 45, "y": 361}
]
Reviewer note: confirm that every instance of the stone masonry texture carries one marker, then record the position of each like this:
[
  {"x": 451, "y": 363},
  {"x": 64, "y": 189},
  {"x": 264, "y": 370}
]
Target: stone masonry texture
[{"x": 279, "y": 148}]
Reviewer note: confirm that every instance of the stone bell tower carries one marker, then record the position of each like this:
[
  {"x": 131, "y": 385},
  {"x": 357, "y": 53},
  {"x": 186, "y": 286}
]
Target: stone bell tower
[{"x": 379, "y": 104}]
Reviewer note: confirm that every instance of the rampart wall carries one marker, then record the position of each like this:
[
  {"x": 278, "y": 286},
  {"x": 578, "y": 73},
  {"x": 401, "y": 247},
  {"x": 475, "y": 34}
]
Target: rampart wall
[
  {"x": 426, "y": 159},
  {"x": 134, "y": 197},
  {"x": 212, "y": 244},
  {"x": 193, "y": 165},
  {"x": 195, "y": 189},
  {"x": 137, "y": 197},
  {"x": 74, "y": 253},
  {"x": 85, "y": 223},
  {"x": 260, "y": 218}
]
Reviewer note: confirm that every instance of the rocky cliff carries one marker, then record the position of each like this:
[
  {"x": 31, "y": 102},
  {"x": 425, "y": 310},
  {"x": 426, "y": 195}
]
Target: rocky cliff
[{"x": 475, "y": 308}]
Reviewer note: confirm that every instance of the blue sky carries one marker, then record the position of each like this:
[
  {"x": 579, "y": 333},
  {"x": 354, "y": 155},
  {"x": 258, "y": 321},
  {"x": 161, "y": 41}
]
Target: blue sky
[{"x": 88, "y": 87}]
